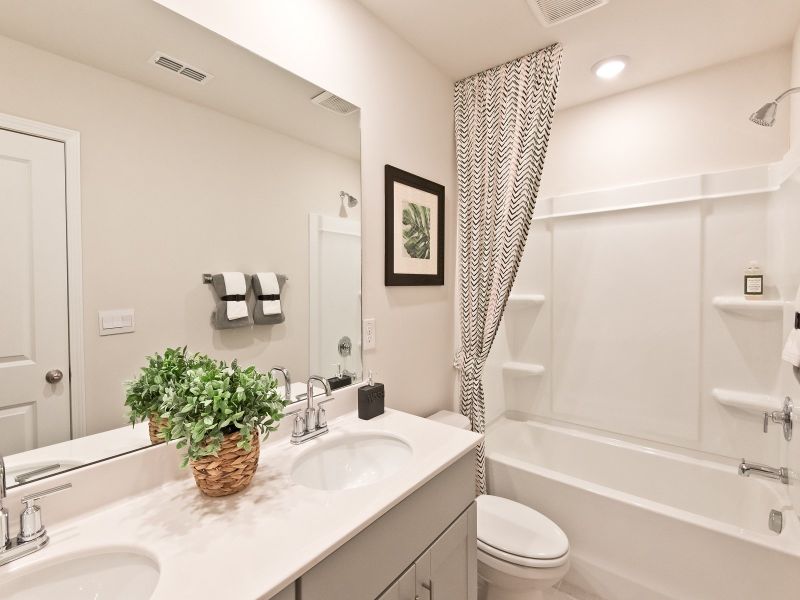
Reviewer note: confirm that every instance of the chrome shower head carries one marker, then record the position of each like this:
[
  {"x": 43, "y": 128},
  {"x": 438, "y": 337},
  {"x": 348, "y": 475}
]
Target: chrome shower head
[
  {"x": 347, "y": 200},
  {"x": 350, "y": 200},
  {"x": 765, "y": 116}
]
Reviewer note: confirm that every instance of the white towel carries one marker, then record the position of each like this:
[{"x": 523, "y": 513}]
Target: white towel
[
  {"x": 235, "y": 285},
  {"x": 791, "y": 351},
  {"x": 269, "y": 287}
]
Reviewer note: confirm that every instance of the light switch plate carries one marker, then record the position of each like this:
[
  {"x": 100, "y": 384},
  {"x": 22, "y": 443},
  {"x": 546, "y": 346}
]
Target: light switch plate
[
  {"x": 369, "y": 334},
  {"x": 114, "y": 322}
]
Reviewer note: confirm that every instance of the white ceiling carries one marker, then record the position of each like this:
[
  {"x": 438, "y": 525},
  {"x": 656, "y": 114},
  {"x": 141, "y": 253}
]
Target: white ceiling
[
  {"x": 120, "y": 36},
  {"x": 663, "y": 38}
]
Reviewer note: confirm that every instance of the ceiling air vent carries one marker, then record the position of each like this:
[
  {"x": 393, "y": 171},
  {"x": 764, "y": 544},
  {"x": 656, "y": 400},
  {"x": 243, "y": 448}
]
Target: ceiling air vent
[
  {"x": 179, "y": 67},
  {"x": 553, "y": 12},
  {"x": 334, "y": 104}
]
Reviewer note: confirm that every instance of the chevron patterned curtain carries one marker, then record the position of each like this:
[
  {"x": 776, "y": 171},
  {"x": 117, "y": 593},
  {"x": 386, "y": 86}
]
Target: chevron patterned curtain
[{"x": 503, "y": 119}]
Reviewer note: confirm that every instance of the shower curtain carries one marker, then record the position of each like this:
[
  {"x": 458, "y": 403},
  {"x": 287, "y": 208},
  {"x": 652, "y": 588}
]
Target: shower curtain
[{"x": 502, "y": 119}]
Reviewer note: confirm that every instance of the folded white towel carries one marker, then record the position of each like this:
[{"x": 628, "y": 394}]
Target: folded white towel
[
  {"x": 235, "y": 285},
  {"x": 791, "y": 351},
  {"x": 269, "y": 287}
]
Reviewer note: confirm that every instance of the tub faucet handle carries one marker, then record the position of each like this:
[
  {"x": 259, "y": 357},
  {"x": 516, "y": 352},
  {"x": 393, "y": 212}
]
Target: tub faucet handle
[{"x": 783, "y": 417}]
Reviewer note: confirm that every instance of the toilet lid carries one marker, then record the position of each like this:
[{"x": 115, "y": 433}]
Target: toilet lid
[{"x": 517, "y": 530}]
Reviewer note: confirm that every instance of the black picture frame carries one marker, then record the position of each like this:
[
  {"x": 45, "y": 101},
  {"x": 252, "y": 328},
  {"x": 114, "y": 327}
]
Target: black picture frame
[{"x": 392, "y": 176}]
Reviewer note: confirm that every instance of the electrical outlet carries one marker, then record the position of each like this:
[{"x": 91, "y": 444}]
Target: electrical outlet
[{"x": 369, "y": 334}]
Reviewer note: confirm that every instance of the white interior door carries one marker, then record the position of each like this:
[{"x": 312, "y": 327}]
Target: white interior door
[{"x": 34, "y": 332}]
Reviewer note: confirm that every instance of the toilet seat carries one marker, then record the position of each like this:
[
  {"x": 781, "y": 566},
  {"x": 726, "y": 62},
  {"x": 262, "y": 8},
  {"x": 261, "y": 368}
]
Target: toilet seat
[{"x": 516, "y": 534}]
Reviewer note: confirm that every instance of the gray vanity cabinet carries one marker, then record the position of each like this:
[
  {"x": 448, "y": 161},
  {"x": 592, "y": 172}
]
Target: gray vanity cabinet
[
  {"x": 445, "y": 570},
  {"x": 405, "y": 588},
  {"x": 427, "y": 540}
]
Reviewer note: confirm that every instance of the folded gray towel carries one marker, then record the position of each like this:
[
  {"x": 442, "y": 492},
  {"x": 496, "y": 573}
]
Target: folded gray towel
[
  {"x": 219, "y": 317},
  {"x": 258, "y": 313}
]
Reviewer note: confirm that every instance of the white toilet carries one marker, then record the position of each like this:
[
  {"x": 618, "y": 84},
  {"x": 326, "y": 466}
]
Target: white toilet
[{"x": 521, "y": 552}]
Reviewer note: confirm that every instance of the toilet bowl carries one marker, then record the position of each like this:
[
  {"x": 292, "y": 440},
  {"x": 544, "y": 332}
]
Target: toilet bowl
[{"x": 521, "y": 552}]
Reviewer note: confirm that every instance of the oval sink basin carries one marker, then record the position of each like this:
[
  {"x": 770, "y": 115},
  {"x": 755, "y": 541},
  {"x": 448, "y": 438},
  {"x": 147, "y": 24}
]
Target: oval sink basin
[
  {"x": 349, "y": 462},
  {"x": 112, "y": 575}
]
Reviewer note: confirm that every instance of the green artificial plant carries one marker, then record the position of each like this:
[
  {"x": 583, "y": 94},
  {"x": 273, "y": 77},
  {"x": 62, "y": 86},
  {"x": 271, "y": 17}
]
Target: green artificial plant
[
  {"x": 215, "y": 400},
  {"x": 162, "y": 375}
]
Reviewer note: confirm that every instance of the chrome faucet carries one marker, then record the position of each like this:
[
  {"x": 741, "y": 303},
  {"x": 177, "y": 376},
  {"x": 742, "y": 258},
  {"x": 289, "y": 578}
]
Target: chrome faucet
[
  {"x": 780, "y": 473},
  {"x": 287, "y": 382},
  {"x": 32, "y": 534},
  {"x": 311, "y": 422}
]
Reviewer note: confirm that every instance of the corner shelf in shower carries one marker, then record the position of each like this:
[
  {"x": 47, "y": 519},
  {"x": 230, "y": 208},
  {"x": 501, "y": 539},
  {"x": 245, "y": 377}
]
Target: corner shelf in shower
[
  {"x": 525, "y": 300},
  {"x": 523, "y": 369},
  {"x": 747, "y": 401},
  {"x": 739, "y": 304}
]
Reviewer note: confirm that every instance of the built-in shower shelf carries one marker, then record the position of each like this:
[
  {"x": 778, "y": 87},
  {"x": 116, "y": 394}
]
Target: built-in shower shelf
[
  {"x": 747, "y": 401},
  {"x": 523, "y": 369},
  {"x": 745, "y": 306},
  {"x": 525, "y": 300}
]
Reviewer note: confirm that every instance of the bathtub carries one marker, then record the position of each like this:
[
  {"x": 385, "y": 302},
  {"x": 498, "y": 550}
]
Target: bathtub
[{"x": 645, "y": 523}]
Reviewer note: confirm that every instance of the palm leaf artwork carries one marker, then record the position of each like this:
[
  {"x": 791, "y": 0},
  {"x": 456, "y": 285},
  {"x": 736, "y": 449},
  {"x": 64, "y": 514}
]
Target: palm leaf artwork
[{"x": 417, "y": 230}]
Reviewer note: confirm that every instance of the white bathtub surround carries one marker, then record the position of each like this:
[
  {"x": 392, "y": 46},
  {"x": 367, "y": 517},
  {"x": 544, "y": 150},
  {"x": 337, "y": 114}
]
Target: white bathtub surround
[
  {"x": 791, "y": 350},
  {"x": 644, "y": 315},
  {"x": 275, "y": 522},
  {"x": 496, "y": 201},
  {"x": 629, "y": 510}
]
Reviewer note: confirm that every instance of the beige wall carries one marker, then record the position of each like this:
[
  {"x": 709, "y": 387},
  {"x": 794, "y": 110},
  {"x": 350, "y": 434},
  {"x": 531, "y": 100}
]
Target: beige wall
[
  {"x": 171, "y": 190},
  {"x": 407, "y": 121},
  {"x": 692, "y": 124}
]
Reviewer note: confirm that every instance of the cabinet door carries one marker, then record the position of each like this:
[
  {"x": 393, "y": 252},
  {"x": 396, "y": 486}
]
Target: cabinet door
[
  {"x": 448, "y": 569},
  {"x": 403, "y": 588}
]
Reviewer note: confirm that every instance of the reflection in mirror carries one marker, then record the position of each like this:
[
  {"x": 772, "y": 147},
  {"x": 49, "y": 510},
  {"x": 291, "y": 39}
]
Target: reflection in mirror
[{"x": 138, "y": 152}]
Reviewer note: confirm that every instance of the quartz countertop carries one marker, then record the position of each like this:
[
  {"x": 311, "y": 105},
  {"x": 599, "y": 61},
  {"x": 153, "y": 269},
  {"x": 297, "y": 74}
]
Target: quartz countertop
[{"x": 254, "y": 543}]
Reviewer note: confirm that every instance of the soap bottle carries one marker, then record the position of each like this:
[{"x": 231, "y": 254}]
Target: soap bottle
[
  {"x": 370, "y": 399},
  {"x": 753, "y": 280}
]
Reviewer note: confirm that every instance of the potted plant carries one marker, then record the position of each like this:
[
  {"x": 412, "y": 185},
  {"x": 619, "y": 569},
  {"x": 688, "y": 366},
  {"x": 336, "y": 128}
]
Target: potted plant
[
  {"x": 219, "y": 414},
  {"x": 145, "y": 394}
]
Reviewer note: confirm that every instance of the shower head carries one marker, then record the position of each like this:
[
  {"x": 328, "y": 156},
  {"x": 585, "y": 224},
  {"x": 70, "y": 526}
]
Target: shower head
[
  {"x": 765, "y": 116},
  {"x": 347, "y": 200},
  {"x": 350, "y": 200}
]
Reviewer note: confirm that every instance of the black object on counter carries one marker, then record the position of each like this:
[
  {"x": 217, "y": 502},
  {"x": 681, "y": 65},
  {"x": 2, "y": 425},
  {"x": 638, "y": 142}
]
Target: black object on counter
[{"x": 370, "y": 399}]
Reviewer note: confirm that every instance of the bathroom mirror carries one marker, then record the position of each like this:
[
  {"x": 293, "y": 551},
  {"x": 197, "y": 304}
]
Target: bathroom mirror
[{"x": 139, "y": 152}]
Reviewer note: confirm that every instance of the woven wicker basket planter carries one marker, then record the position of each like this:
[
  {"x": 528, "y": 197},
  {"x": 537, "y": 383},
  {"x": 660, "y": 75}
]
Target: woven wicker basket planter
[
  {"x": 230, "y": 471},
  {"x": 156, "y": 425}
]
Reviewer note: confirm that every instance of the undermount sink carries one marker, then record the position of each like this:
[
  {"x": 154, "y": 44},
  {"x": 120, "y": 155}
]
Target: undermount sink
[
  {"x": 351, "y": 461},
  {"x": 117, "y": 575}
]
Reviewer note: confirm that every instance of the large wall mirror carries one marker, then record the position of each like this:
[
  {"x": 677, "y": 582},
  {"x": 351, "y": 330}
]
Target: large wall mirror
[{"x": 140, "y": 152}]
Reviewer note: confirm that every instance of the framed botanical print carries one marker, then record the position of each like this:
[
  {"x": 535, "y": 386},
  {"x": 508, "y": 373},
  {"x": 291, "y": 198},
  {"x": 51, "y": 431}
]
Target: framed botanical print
[{"x": 414, "y": 229}]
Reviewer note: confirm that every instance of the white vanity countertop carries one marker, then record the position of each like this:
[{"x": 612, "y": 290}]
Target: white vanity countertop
[{"x": 252, "y": 544}]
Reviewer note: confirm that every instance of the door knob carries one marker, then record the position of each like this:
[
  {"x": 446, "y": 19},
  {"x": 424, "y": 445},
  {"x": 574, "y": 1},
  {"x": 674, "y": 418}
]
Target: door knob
[{"x": 54, "y": 376}]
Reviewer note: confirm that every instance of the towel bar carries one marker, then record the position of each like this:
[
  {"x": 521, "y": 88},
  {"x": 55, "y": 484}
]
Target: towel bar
[{"x": 207, "y": 278}]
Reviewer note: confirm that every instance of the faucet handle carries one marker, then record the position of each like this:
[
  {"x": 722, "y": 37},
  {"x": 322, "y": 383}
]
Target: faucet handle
[
  {"x": 322, "y": 416},
  {"x": 30, "y": 519}
]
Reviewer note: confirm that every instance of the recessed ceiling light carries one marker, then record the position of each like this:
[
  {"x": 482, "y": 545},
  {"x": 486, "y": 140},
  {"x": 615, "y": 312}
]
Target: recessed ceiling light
[{"x": 609, "y": 68}]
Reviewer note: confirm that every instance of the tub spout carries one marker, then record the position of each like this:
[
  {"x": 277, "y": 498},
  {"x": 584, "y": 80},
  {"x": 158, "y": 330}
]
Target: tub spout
[{"x": 780, "y": 473}]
